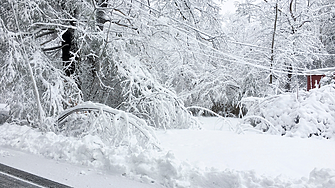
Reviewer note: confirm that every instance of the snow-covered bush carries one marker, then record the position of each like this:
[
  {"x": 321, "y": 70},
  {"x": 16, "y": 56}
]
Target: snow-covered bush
[
  {"x": 215, "y": 90},
  {"x": 302, "y": 114},
  {"x": 328, "y": 79},
  {"x": 114, "y": 127}
]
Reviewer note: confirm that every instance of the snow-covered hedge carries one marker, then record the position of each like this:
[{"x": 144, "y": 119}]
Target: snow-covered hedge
[{"x": 302, "y": 114}]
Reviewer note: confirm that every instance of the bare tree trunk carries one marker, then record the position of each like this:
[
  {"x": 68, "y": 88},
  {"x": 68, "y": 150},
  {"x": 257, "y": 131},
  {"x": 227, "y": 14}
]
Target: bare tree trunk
[
  {"x": 289, "y": 78},
  {"x": 69, "y": 66},
  {"x": 68, "y": 45},
  {"x": 100, "y": 15},
  {"x": 273, "y": 42}
]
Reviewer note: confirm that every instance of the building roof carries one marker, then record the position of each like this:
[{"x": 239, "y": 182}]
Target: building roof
[{"x": 319, "y": 71}]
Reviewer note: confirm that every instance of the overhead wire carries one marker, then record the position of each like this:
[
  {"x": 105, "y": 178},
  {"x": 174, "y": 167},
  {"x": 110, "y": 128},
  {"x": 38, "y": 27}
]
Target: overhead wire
[
  {"x": 229, "y": 40},
  {"x": 233, "y": 58}
]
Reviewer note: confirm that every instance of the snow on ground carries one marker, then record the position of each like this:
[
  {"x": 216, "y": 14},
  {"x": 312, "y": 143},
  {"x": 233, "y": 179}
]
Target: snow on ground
[
  {"x": 211, "y": 157},
  {"x": 215, "y": 146},
  {"x": 65, "y": 173}
]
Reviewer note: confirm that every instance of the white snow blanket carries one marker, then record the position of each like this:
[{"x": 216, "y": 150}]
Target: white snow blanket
[{"x": 154, "y": 166}]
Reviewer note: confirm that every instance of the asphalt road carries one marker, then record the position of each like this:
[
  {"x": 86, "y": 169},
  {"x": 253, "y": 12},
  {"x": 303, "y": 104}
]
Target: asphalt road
[
  {"x": 10, "y": 181},
  {"x": 14, "y": 178}
]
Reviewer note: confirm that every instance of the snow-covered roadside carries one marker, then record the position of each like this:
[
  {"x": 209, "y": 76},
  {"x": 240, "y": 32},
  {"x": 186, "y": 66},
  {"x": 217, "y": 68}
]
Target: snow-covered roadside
[
  {"x": 69, "y": 174},
  {"x": 224, "y": 150}
]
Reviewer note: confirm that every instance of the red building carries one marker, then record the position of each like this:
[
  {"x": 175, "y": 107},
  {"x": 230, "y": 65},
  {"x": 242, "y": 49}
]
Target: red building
[{"x": 314, "y": 76}]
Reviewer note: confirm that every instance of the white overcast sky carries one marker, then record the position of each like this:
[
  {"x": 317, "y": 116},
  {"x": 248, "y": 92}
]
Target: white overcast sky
[{"x": 228, "y": 5}]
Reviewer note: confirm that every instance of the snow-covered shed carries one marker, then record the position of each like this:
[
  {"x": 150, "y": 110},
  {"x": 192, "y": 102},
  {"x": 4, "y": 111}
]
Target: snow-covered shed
[{"x": 314, "y": 76}]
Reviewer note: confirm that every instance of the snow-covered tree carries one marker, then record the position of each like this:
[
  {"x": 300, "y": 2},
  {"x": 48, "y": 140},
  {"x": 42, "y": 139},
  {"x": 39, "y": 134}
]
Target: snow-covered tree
[
  {"x": 33, "y": 84},
  {"x": 118, "y": 54},
  {"x": 131, "y": 60},
  {"x": 283, "y": 35}
]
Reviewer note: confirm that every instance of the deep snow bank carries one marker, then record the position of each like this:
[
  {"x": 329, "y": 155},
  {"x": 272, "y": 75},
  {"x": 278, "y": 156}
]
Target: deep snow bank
[
  {"x": 145, "y": 165},
  {"x": 77, "y": 176},
  {"x": 302, "y": 114}
]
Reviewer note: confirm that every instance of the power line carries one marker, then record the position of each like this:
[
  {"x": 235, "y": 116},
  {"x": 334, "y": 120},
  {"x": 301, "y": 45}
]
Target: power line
[{"x": 232, "y": 58}]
